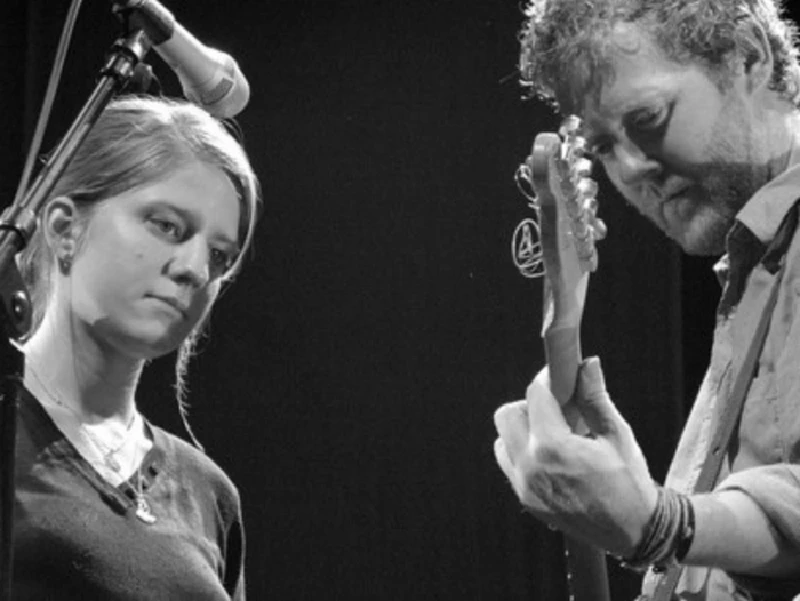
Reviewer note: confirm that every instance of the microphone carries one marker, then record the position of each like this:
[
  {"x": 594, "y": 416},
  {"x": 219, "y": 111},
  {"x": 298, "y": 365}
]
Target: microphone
[{"x": 208, "y": 77}]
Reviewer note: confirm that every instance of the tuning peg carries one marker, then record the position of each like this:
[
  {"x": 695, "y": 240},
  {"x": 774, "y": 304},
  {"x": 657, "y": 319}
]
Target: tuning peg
[
  {"x": 582, "y": 168},
  {"x": 600, "y": 229},
  {"x": 590, "y": 205},
  {"x": 570, "y": 126},
  {"x": 581, "y": 230},
  {"x": 579, "y": 147},
  {"x": 587, "y": 187}
]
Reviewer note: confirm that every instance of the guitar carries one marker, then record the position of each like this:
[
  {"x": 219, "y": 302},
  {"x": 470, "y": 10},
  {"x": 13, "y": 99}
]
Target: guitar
[{"x": 559, "y": 245}]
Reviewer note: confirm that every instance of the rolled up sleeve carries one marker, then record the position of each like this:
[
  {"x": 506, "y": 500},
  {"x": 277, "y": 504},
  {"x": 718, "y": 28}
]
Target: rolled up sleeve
[{"x": 776, "y": 489}]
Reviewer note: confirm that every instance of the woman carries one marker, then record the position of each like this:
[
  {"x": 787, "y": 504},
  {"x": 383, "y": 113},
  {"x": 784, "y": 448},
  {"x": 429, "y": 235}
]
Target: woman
[{"x": 150, "y": 219}]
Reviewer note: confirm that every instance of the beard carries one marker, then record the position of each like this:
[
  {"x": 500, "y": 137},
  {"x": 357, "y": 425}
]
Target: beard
[
  {"x": 719, "y": 197},
  {"x": 699, "y": 218},
  {"x": 722, "y": 185}
]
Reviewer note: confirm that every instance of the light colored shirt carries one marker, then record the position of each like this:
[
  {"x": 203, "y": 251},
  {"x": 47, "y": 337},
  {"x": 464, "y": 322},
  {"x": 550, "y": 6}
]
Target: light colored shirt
[{"x": 763, "y": 461}]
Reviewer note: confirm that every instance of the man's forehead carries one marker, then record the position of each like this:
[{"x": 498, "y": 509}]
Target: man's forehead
[
  {"x": 634, "y": 69},
  {"x": 630, "y": 38}
]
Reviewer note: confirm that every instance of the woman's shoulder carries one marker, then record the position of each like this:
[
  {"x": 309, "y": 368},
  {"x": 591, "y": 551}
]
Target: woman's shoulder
[{"x": 186, "y": 462}]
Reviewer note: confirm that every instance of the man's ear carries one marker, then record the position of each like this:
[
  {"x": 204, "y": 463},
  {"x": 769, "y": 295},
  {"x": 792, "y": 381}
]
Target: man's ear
[
  {"x": 759, "y": 61},
  {"x": 61, "y": 229}
]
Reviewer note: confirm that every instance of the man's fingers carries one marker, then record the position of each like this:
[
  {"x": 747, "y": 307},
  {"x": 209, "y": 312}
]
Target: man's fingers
[
  {"x": 545, "y": 417},
  {"x": 511, "y": 422},
  {"x": 594, "y": 404},
  {"x": 503, "y": 460},
  {"x": 528, "y": 497}
]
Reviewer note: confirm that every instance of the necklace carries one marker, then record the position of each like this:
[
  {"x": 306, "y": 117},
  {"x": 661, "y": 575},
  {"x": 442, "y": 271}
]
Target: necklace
[{"x": 106, "y": 452}]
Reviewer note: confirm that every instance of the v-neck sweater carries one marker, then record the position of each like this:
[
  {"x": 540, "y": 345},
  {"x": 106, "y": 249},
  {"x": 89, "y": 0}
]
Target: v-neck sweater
[{"x": 77, "y": 537}]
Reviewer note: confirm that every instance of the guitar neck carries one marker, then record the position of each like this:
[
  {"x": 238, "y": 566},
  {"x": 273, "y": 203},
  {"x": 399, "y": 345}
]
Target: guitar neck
[
  {"x": 562, "y": 350},
  {"x": 567, "y": 221},
  {"x": 587, "y": 572}
]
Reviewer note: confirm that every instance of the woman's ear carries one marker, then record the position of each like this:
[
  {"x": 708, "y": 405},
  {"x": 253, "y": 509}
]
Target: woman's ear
[{"x": 61, "y": 230}]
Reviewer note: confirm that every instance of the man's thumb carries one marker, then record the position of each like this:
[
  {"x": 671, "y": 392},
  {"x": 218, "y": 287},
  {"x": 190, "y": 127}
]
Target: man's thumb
[{"x": 592, "y": 398}]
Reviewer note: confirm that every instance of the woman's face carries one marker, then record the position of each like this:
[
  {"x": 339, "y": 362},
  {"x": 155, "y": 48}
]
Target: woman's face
[{"x": 150, "y": 261}]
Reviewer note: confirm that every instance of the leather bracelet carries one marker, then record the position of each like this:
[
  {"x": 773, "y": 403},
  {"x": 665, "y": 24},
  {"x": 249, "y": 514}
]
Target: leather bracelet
[
  {"x": 668, "y": 534},
  {"x": 686, "y": 533}
]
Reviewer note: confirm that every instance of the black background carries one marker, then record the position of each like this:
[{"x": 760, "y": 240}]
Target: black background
[{"x": 351, "y": 374}]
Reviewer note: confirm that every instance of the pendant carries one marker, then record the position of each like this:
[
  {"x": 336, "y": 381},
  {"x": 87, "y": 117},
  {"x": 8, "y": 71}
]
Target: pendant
[{"x": 143, "y": 511}]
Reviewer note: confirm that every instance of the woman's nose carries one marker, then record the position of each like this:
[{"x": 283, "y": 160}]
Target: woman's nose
[{"x": 191, "y": 262}]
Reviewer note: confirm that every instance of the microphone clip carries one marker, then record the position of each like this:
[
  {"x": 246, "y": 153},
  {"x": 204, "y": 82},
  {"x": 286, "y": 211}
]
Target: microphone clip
[{"x": 151, "y": 17}]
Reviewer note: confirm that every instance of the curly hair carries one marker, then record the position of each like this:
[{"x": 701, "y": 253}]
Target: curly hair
[{"x": 566, "y": 44}]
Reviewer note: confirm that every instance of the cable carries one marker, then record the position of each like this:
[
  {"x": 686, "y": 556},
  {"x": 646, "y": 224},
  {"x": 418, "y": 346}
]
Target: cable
[{"x": 50, "y": 93}]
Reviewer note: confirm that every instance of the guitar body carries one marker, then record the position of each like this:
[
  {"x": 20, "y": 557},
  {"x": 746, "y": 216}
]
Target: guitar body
[{"x": 568, "y": 227}]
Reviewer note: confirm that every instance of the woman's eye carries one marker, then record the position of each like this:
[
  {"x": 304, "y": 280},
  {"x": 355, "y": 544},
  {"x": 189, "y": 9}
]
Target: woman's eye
[
  {"x": 167, "y": 227},
  {"x": 221, "y": 259}
]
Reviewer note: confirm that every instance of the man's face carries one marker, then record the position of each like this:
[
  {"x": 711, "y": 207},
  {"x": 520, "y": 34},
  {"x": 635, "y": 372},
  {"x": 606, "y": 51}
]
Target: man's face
[{"x": 676, "y": 144}]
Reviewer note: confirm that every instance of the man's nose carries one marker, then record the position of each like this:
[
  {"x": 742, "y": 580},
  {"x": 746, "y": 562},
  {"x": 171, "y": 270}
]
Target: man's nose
[{"x": 634, "y": 165}]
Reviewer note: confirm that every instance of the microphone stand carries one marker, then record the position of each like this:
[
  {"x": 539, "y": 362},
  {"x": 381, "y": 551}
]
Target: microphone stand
[{"x": 17, "y": 225}]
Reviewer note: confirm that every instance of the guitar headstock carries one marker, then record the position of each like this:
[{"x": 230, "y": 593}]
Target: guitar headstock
[{"x": 556, "y": 180}]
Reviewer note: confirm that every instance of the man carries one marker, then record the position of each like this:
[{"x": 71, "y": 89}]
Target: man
[{"x": 691, "y": 106}]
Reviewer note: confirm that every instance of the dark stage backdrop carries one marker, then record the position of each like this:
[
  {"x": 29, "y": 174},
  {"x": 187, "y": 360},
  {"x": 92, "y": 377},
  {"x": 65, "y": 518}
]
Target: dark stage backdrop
[{"x": 351, "y": 373}]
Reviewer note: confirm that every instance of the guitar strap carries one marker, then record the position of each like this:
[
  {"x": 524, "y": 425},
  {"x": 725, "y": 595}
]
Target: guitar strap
[{"x": 773, "y": 261}]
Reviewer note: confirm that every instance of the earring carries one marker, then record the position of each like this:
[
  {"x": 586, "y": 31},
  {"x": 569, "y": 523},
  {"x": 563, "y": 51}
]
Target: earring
[{"x": 65, "y": 264}]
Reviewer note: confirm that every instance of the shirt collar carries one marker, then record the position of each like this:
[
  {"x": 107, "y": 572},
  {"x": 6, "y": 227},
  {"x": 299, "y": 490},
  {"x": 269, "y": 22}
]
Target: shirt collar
[{"x": 763, "y": 213}]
